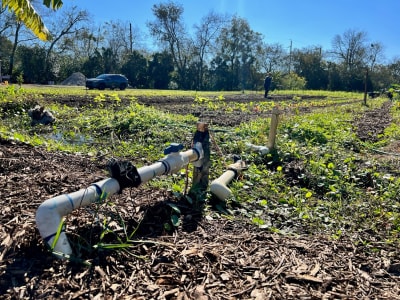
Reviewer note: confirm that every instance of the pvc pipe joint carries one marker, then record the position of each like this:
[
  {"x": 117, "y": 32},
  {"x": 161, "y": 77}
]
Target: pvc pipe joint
[
  {"x": 219, "y": 186},
  {"x": 50, "y": 213}
]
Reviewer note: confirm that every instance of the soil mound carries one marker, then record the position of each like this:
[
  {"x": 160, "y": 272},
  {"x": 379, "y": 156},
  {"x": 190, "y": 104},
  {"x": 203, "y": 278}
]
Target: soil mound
[{"x": 76, "y": 78}]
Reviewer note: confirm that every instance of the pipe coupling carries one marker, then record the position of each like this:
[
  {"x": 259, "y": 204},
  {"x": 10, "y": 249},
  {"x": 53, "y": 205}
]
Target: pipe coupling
[{"x": 125, "y": 173}]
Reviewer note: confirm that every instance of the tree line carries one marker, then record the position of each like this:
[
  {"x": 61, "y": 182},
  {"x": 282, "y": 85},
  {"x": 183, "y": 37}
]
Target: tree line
[{"x": 221, "y": 53}]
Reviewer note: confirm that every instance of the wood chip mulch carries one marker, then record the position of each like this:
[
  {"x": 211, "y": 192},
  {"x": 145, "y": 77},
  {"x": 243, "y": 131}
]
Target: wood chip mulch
[{"x": 216, "y": 259}]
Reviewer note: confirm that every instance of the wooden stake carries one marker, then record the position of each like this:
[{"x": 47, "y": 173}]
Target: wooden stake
[
  {"x": 365, "y": 87},
  {"x": 273, "y": 128},
  {"x": 200, "y": 174}
]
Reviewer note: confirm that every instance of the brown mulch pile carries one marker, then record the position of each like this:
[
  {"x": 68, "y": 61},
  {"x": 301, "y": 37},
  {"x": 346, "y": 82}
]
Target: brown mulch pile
[{"x": 209, "y": 257}]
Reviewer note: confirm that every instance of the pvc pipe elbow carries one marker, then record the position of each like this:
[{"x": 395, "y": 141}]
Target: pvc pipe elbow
[
  {"x": 220, "y": 190},
  {"x": 48, "y": 219},
  {"x": 50, "y": 213},
  {"x": 219, "y": 186}
]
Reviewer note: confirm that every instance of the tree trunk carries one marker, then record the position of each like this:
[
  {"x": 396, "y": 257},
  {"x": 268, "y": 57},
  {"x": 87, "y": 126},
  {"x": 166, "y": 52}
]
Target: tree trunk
[{"x": 14, "y": 49}]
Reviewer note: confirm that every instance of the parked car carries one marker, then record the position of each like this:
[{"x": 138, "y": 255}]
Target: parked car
[{"x": 107, "y": 81}]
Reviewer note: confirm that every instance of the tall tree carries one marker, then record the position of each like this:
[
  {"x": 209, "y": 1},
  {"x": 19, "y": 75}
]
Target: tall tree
[
  {"x": 19, "y": 35},
  {"x": 32, "y": 64},
  {"x": 135, "y": 69},
  {"x": 273, "y": 56},
  {"x": 374, "y": 55},
  {"x": 5, "y": 51},
  {"x": 94, "y": 65},
  {"x": 308, "y": 63},
  {"x": 6, "y": 20},
  {"x": 116, "y": 36},
  {"x": 206, "y": 34},
  {"x": 18, "y": 26},
  {"x": 352, "y": 51},
  {"x": 68, "y": 24},
  {"x": 169, "y": 29},
  {"x": 394, "y": 68},
  {"x": 238, "y": 48},
  {"x": 160, "y": 67},
  {"x": 350, "y": 48}
]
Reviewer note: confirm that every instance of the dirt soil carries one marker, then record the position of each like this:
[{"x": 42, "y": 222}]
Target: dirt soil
[{"x": 205, "y": 258}]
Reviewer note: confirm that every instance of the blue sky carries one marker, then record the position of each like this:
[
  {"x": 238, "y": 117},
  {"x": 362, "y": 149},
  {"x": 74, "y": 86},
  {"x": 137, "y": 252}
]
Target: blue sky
[{"x": 302, "y": 22}]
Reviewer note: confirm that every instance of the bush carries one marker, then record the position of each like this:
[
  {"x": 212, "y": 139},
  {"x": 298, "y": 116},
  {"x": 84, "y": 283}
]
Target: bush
[{"x": 293, "y": 81}]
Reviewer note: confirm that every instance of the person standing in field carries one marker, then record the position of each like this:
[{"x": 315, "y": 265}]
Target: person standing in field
[{"x": 267, "y": 84}]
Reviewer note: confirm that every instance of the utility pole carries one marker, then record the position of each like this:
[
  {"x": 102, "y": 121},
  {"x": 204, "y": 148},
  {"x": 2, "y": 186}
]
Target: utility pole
[
  {"x": 290, "y": 55},
  {"x": 366, "y": 77},
  {"x": 130, "y": 37}
]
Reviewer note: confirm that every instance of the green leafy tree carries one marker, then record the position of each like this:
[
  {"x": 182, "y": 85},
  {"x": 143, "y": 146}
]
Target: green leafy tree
[
  {"x": 94, "y": 65},
  {"x": 160, "y": 70},
  {"x": 110, "y": 61},
  {"x": 238, "y": 49},
  {"x": 382, "y": 77},
  {"x": 292, "y": 81},
  {"x": 5, "y": 51},
  {"x": 334, "y": 80},
  {"x": 32, "y": 64},
  {"x": 394, "y": 68},
  {"x": 169, "y": 29},
  {"x": 219, "y": 74},
  {"x": 308, "y": 63},
  {"x": 135, "y": 69}
]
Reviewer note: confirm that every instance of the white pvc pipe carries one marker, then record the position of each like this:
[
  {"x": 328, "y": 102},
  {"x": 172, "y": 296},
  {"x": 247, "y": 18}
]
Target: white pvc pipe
[
  {"x": 50, "y": 213},
  {"x": 168, "y": 165},
  {"x": 260, "y": 149},
  {"x": 219, "y": 186}
]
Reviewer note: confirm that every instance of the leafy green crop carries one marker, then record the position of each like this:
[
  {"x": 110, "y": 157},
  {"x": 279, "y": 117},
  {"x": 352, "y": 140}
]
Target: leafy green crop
[{"x": 321, "y": 178}]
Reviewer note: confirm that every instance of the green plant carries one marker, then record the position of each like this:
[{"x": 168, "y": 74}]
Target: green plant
[
  {"x": 321, "y": 178},
  {"x": 20, "y": 79}
]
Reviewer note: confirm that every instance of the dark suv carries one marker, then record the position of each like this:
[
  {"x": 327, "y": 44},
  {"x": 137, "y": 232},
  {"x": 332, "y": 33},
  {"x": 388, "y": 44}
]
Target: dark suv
[{"x": 110, "y": 81}]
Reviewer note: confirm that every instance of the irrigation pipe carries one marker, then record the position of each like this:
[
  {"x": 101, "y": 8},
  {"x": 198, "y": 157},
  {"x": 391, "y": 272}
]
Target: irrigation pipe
[
  {"x": 50, "y": 214},
  {"x": 386, "y": 153},
  {"x": 219, "y": 186}
]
